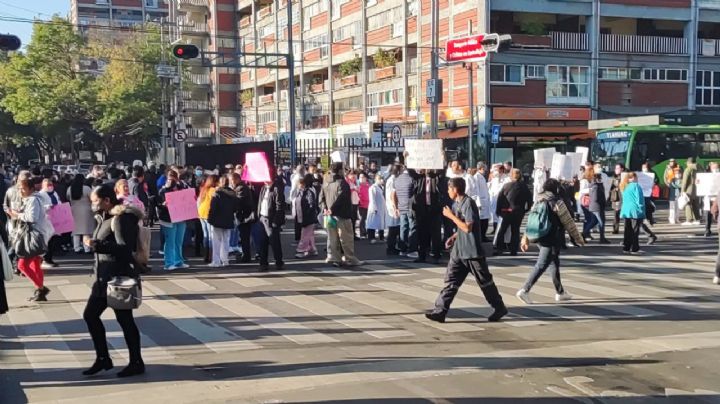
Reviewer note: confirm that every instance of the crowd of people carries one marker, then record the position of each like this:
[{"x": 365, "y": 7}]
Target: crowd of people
[{"x": 419, "y": 214}]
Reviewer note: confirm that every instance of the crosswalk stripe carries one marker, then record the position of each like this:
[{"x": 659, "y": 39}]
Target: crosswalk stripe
[
  {"x": 369, "y": 326},
  {"x": 192, "y": 285},
  {"x": 49, "y": 353},
  {"x": 266, "y": 319},
  {"x": 247, "y": 281},
  {"x": 193, "y": 323},
  {"x": 152, "y": 351},
  {"x": 458, "y": 303},
  {"x": 653, "y": 291},
  {"x": 388, "y": 306}
]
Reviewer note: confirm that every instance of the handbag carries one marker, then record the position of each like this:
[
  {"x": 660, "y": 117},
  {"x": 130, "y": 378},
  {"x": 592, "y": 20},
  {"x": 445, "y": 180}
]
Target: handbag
[
  {"x": 124, "y": 293},
  {"x": 656, "y": 191},
  {"x": 6, "y": 263},
  {"x": 683, "y": 200},
  {"x": 28, "y": 241},
  {"x": 585, "y": 201}
]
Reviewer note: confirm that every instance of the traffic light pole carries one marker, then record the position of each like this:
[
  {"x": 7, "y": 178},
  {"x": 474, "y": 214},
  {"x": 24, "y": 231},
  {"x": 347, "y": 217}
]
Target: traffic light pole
[
  {"x": 291, "y": 85},
  {"x": 434, "y": 63},
  {"x": 471, "y": 91}
]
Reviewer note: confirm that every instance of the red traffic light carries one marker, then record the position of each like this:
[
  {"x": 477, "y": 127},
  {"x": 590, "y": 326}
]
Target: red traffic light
[
  {"x": 186, "y": 51},
  {"x": 9, "y": 42}
]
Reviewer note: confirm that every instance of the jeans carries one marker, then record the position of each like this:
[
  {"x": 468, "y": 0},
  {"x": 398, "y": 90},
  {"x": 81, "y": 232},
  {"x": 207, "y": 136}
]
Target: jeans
[
  {"x": 174, "y": 235},
  {"x": 708, "y": 222},
  {"x": 234, "y": 238},
  {"x": 593, "y": 219},
  {"x": 616, "y": 223},
  {"x": 457, "y": 270},
  {"x": 408, "y": 233},
  {"x": 96, "y": 305},
  {"x": 207, "y": 233},
  {"x": 548, "y": 256},
  {"x": 393, "y": 240},
  {"x": 631, "y": 237},
  {"x": 363, "y": 220},
  {"x": 220, "y": 246},
  {"x": 78, "y": 244}
]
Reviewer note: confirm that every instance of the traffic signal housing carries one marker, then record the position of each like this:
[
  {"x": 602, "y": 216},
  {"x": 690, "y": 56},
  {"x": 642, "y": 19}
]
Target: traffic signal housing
[
  {"x": 9, "y": 42},
  {"x": 186, "y": 51},
  {"x": 496, "y": 43}
]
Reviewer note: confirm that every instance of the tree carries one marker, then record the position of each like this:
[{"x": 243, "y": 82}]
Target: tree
[{"x": 42, "y": 88}]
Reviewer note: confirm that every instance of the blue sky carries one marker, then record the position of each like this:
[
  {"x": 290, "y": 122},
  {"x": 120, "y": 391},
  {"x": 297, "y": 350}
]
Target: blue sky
[{"x": 29, "y": 9}]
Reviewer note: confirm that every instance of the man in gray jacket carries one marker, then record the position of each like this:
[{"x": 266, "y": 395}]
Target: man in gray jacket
[{"x": 336, "y": 204}]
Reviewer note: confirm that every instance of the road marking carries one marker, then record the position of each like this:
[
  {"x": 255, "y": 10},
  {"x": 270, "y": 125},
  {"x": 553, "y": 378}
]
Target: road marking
[
  {"x": 248, "y": 282},
  {"x": 192, "y": 285}
]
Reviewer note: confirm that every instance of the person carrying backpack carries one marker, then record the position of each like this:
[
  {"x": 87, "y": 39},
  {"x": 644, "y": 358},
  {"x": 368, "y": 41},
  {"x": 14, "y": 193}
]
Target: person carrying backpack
[{"x": 548, "y": 220}]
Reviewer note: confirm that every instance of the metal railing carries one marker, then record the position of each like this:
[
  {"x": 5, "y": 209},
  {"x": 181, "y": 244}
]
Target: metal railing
[
  {"x": 193, "y": 3},
  {"x": 573, "y": 41},
  {"x": 708, "y": 47},
  {"x": 201, "y": 79},
  {"x": 196, "y": 105},
  {"x": 200, "y": 132},
  {"x": 643, "y": 44},
  {"x": 190, "y": 27}
]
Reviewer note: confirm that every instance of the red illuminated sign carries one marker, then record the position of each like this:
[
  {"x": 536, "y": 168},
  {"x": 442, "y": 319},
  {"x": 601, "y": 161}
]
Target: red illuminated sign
[{"x": 468, "y": 49}]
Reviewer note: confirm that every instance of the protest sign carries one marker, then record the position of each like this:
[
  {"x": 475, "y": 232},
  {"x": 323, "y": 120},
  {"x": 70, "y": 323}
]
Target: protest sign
[
  {"x": 646, "y": 182},
  {"x": 544, "y": 157},
  {"x": 584, "y": 152},
  {"x": 61, "y": 218},
  {"x": 337, "y": 157},
  {"x": 708, "y": 184},
  {"x": 424, "y": 154},
  {"x": 256, "y": 168},
  {"x": 576, "y": 163},
  {"x": 561, "y": 167},
  {"x": 181, "y": 205}
]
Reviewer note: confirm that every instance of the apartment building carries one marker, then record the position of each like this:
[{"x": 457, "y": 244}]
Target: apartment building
[
  {"x": 90, "y": 15},
  {"x": 363, "y": 61}
]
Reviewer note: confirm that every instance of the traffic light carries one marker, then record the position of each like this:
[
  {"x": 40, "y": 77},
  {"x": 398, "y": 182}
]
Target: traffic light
[
  {"x": 496, "y": 43},
  {"x": 9, "y": 42},
  {"x": 185, "y": 51}
]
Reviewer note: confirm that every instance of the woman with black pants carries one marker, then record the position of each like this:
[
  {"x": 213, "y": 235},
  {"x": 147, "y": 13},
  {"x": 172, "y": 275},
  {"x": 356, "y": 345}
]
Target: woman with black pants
[{"x": 113, "y": 245}]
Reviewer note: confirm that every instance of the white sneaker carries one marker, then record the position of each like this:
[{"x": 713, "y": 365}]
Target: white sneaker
[
  {"x": 413, "y": 255},
  {"x": 161, "y": 252},
  {"x": 523, "y": 296},
  {"x": 171, "y": 268},
  {"x": 373, "y": 241},
  {"x": 563, "y": 297},
  {"x": 214, "y": 265},
  {"x": 184, "y": 266},
  {"x": 402, "y": 254},
  {"x": 716, "y": 280},
  {"x": 696, "y": 223},
  {"x": 686, "y": 224}
]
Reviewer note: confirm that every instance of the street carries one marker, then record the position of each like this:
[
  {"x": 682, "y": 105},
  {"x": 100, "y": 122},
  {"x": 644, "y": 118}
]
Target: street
[{"x": 640, "y": 329}]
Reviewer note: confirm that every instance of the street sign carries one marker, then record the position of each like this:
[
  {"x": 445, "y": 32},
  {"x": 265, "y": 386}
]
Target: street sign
[
  {"x": 396, "y": 132},
  {"x": 384, "y": 128},
  {"x": 434, "y": 91},
  {"x": 167, "y": 71},
  {"x": 467, "y": 49},
  {"x": 180, "y": 135},
  {"x": 495, "y": 139}
]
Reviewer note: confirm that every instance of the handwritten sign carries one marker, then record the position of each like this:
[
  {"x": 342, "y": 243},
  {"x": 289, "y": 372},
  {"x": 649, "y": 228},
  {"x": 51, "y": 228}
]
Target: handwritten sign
[
  {"x": 337, "y": 156},
  {"x": 424, "y": 154},
  {"x": 181, "y": 205},
  {"x": 708, "y": 184},
  {"x": 256, "y": 168},
  {"x": 585, "y": 152},
  {"x": 561, "y": 167},
  {"x": 544, "y": 157},
  {"x": 61, "y": 218},
  {"x": 577, "y": 162},
  {"x": 646, "y": 182}
]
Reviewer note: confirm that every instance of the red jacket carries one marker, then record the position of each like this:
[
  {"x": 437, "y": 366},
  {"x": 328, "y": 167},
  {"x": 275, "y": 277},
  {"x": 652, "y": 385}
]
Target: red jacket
[{"x": 364, "y": 194}]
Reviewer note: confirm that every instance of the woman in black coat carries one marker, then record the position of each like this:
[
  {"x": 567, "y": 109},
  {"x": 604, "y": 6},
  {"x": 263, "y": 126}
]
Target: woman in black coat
[
  {"x": 307, "y": 206},
  {"x": 597, "y": 208},
  {"x": 245, "y": 215},
  {"x": 114, "y": 244},
  {"x": 223, "y": 206}
]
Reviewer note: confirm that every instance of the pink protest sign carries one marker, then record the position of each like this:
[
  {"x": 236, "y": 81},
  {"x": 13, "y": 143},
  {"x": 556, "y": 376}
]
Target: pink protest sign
[
  {"x": 256, "y": 168},
  {"x": 61, "y": 218},
  {"x": 181, "y": 205}
]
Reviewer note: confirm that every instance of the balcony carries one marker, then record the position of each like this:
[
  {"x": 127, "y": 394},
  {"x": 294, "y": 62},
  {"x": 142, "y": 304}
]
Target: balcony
[
  {"x": 347, "y": 81},
  {"x": 193, "y": 5},
  {"x": 578, "y": 41},
  {"x": 316, "y": 88},
  {"x": 266, "y": 99},
  {"x": 193, "y": 28},
  {"x": 200, "y": 79},
  {"x": 245, "y": 22},
  {"x": 571, "y": 41},
  {"x": 708, "y": 47},
  {"x": 200, "y": 132},
  {"x": 386, "y": 73},
  {"x": 196, "y": 106}
]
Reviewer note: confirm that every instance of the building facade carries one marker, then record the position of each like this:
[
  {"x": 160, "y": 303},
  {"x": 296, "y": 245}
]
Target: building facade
[
  {"x": 364, "y": 61},
  {"x": 91, "y": 15}
]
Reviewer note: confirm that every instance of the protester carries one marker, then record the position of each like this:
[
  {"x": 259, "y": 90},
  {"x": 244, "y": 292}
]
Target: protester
[
  {"x": 560, "y": 220},
  {"x": 466, "y": 257},
  {"x": 336, "y": 205},
  {"x": 715, "y": 209},
  {"x": 271, "y": 214},
  {"x": 364, "y": 194},
  {"x": 307, "y": 206},
  {"x": 138, "y": 188},
  {"x": 497, "y": 181},
  {"x": 689, "y": 188},
  {"x": 245, "y": 215},
  {"x": 596, "y": 207},
  {"x": 123, "y": 194},
  {"x": 616, "y": 196},
  {"x": 428, "y": 209},
  {"x": 174, "y": 233},
  {"x": 207, "y": 191},
  {"x": 393, "y": 213},
  {"x": 649, "y": 210},
  {"x": 79, "y": 197},
  {"x": 708, "y": 201},
  {"x": 404, "y": 191},
  {"x": 588, "y": 178},
  {"x": 482, "y": 200},
  {"x": 377, "y": 211},
  {"x": 49, "y": 198},
  {"x": 114, "y": 242},
  {"x": 295, "y": 181},
  {"x": 673, "y": 185},
  {"x": 513, "y": 201},
  {"x": 32, "y": 213},
  {"x": 221, "y": 217},
  {"x": 633, "y": 212},
  {"x": 351, "y": 179}
]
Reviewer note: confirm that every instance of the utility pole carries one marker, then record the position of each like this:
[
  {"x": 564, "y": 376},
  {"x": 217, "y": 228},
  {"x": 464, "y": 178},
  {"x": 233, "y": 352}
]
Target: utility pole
[
  {"x": 291, "y": 85},
  {"x": 434, "y": 66},
  {"x": 471, "y": 91},
  {"x": 164, "y": 85}
]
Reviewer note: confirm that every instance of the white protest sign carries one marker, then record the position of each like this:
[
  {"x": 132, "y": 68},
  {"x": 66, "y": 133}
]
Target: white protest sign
[
  {"x": 544, "y": 157},
  {"x": 337, "y": 157},
  {"x": 646, "y": 182},
  {"x": 561, "y": 167},
  {"x": 424, "y": 154},
  {"x": 576, "y": 161},
  {"x": 708, "y": 184},
  {"x": 584, "y": 152}
]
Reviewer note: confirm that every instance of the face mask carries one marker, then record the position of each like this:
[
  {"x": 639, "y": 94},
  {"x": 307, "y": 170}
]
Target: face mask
[
  {"x": 96, "y": 208},
  {"x": 50, "y": 189},
  {"x": 198, "y": 173}
]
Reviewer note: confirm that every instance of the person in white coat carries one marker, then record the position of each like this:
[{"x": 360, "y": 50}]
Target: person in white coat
[
  {"x": 49, "y": 198},
  {"x": 377, "y": 212},
  {"x": 79, "y": 196},
  {"x": 392, "y": 218},
  {"x": 482, "y": 199},
  {"x": 498, "y": 179},
  {"x": 540, "y": 175}
]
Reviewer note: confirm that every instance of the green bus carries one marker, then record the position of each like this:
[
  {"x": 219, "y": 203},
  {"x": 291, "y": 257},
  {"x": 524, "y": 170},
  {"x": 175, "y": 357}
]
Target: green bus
[{"x": 634, "y": 145}]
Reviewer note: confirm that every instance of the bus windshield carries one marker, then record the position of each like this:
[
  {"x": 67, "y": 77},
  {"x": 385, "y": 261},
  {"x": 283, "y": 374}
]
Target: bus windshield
[{"x": 609, "y": 152}]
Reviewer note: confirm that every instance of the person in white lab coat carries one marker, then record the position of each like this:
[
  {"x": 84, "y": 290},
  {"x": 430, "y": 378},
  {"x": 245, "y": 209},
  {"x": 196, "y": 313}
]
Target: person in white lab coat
[
  {"x": 377, "y": 211},
  {"x": 482, "y": 199},
  {"x": 540, "y": 175},
  {"x": 498, "y": 179}
]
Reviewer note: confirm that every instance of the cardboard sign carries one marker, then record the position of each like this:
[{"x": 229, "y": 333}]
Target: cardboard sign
[
  {"x": 61, "y": 218},
  {"x": 256, "y": 168},
  {"x": 584, "y": 152},
  {"x": 181, "y": 205},
  {"x": 708, "y": 184},
  {"x": 424, "y": 154},
  {"x": 337, "y": 157},
  {"x": 544, "y": 157},
  {"x": 576, "y": 163},
  {"x": 562, "y": 167},
  {"x": 646, "y": 182}
]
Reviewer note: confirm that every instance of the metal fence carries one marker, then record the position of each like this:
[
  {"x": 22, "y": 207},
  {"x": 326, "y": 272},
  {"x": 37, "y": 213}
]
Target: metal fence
[{"x": 317, "y": 151}]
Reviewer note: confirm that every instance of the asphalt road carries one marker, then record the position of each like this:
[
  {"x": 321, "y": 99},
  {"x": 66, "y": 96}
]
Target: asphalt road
[{"x": 640, "y": 329}]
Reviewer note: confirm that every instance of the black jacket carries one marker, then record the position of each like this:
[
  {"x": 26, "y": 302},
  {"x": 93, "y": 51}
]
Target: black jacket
[
  {"x": 276, "y": 211},
  {"x": 309, "y": 205},
  {"x": 514, "y": 199},
  {"x": 246, "y": 204},
  {"x": 137, "y": 188},
  {"x": 223, "y": 207},
  {"x": 162, "y": 210},
  {"x": 336, "y": 197},
  {"x": 115, "y": 244},
  {"x": 420, "y": 205}
]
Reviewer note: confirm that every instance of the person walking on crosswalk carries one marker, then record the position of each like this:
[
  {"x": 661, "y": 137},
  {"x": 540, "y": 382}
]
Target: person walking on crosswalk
[
  {"x": 113, "y": 244},
  {"x": 548, "y": 221},
  {"x": 467, "y": 256}
]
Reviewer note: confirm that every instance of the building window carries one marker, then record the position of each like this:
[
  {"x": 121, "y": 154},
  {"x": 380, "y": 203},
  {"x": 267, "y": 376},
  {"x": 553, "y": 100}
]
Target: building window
[
  {"x": 347, "y": 105},
  {"x": 385, "y": 18},
  {"x": 313, "y": 10},
  {"x": 151, "y": 3},
  {"x": 665, "y": 74},
  {"x": 568, "y": 85},
  {"x": 534, "y": 72},
  {"x": 707, "y": 92},
  {"x": 335, "y": 11},
  {"x": 383, "y": 98},
  {"x": 506, "y": 74},
  {"x": 619, "y": 73},
  {"x": 321, "y": 42}
]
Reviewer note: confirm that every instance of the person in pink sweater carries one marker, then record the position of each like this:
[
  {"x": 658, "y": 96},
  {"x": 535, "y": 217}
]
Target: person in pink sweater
[{"x": 364, "y": 194}]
